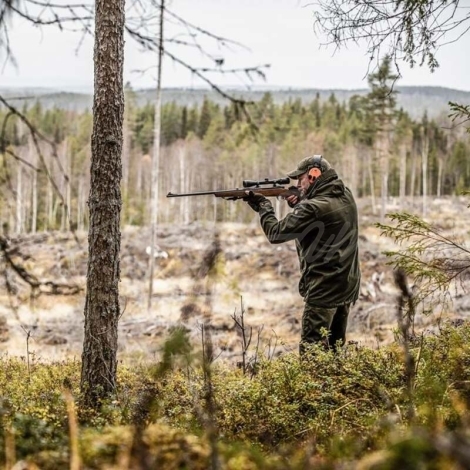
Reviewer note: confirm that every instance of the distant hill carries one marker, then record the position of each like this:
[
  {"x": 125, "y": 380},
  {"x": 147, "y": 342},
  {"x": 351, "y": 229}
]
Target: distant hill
[{"x": 414, "y": 99}]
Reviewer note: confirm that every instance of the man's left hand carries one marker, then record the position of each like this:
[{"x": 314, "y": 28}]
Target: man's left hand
[{"x": 254, "y": 200}]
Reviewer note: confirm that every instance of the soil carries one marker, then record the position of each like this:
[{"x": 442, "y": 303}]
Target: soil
[{"x": 249, "y": 276}]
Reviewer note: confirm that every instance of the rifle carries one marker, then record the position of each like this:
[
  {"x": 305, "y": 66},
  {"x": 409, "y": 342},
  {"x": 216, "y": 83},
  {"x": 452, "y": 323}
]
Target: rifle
[{"x": 275, "y": 189}]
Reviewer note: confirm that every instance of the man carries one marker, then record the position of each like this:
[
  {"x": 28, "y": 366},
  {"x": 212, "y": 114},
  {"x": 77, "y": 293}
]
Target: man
[{"x": 324, "y": 226}]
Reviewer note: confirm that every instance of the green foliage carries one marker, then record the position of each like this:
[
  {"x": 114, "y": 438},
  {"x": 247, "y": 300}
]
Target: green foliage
[
  {"x": 143, "y": 127},
  {"x": 432, "y": 259},
  {"x": 459, "y": 112},
  {"x": 460, "y": 166},
  {"x": 381, "y": 100},
  {"x": 205, "y": 118},
  {"x": 319, "y": 412}
]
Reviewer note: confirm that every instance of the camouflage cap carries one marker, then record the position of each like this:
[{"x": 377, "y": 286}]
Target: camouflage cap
[{"x": 309, "y": 162}]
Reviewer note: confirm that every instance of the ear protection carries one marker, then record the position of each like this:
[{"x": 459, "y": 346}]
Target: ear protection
[{"x": 315, "y": 171}]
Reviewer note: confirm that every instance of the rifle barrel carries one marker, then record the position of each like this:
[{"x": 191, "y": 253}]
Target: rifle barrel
[
  {"x": 199, "y": 193},
  {"x": 237, "y": 193}
]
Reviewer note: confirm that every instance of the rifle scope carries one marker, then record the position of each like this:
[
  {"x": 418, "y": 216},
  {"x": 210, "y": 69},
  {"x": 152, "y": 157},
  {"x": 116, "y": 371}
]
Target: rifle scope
[{"x": 251, "y": 183}]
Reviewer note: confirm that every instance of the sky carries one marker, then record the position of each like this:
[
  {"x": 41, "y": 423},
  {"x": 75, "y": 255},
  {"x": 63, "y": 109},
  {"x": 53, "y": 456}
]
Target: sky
[{"x": 275, "y": 32}]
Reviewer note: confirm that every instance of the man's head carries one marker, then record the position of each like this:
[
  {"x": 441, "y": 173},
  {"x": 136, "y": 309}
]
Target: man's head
[{"x": 308, "y": 170}]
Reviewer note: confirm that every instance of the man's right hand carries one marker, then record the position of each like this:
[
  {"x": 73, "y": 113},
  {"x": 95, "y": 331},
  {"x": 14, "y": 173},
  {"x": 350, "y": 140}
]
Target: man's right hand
[{"x": 294, "y": 198}]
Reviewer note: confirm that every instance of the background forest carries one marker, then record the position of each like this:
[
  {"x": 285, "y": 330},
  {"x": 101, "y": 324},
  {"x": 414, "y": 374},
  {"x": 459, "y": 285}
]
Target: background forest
[{"x": 378, "y": 149}]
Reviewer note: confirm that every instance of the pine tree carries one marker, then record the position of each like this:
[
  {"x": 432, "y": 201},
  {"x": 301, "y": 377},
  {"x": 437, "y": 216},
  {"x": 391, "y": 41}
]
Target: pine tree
[
  {"x": 204, "y": 118},
  {"x": 382, "y": 114},
  {"x": 102, "y": 311},
  {"x": 184, "y": 122}
]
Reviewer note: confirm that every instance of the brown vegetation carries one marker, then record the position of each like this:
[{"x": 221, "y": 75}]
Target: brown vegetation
[{"x": 264, "y": 276}]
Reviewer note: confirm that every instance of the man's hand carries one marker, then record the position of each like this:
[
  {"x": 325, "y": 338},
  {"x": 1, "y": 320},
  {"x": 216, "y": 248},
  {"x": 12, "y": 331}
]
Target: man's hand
[
  {"x": 293, "y": 199},
  {"x": 254, "y": 200}
]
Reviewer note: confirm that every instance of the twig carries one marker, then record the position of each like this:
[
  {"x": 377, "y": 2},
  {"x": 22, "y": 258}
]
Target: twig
[
  {"x": 245, "y": 333},
  {"x": 28, "y": 336},
  {"x": 73, "y": 430},
  {"x": 344, "y": 406},
  {"x": 209, "y": 399},
  {"x": 404, "y": 323}
]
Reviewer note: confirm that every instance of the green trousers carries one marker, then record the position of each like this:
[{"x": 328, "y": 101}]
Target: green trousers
[{"x": 323, "y": 325}]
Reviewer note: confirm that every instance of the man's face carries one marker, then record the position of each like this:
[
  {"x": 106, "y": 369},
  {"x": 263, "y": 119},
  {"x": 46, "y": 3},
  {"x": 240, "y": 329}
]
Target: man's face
[{"x": 303, "y": 184}]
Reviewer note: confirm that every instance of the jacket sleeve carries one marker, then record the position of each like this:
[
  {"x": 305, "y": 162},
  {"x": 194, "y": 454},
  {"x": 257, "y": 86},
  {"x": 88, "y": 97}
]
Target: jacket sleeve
[{"x": 291, "y": 227}]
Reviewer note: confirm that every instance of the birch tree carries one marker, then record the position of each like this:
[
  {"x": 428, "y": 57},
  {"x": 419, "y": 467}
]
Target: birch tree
[
  {"x": 424, "y": 164},
  {"x": 156, "y": 160}
]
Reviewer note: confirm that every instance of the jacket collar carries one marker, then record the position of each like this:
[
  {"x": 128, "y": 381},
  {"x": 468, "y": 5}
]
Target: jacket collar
[{"x": 327, "y": 177}]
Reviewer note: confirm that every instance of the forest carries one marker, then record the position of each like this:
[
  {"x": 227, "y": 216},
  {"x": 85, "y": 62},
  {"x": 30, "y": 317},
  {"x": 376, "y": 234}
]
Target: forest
[{"x": 215, "y": 147}]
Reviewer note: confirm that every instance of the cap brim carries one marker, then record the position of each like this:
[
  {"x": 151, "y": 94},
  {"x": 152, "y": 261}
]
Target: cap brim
[{"x": 295, "y": 174}]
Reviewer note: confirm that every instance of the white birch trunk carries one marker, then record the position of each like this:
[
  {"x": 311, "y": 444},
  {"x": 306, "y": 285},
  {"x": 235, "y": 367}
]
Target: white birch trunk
[
  {"x": 65, "y": 189},
  {"x": 413, "y": 178},
  {"x": 49, "y": 204},
  {"x": 126, "y": 156},
  {"x": 138, "y": 181},
  {"x": 384, "y": 192},
  {"x": 354, "y": 175},
  {"x": 34, "y": 210},
  {"x": 424, "y": 161},
  {"x": 183, "y": 177},
  {"x": 156, "y": 159},
  {"x": 79, "y": 205},
  {"x": 370, "y": 169},
  {"x": 440, "y": 169},
  {"x": 402, "y": 170},
  {"x": 68, "y": 192},
  {"x": 384, "y": 157},
  {"x": 214, "y": 210},
  {"x": 19, "y": 199}
]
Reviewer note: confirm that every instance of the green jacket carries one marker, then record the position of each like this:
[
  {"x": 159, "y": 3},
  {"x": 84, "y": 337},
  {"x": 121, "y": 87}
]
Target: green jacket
[{"x": 324, "y": 226}]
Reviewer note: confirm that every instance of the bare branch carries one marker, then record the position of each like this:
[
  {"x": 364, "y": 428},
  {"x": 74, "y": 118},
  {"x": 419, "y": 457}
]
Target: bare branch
[
  {"x": 409, "y": 30},
  {"x": 38, "y": 287}
]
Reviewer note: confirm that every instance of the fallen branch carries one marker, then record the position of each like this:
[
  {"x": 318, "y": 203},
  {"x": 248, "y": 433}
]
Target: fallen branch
[{"x": 38, "y": 287}]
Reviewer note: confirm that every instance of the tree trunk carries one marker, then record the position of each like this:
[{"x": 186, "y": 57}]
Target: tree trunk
[
  {"x": 384, "y": 157},
  {"x": 65, "y": 190},
  {"x": 384, "y": 193},
  {"x": 34, "y": 175},
  {"x": 19, "y": 198},
  {"x": 370, "y": 167},
  {"x": 49, "y": 207},
  {"x": 80, "y": 204},
  {"x": 126, "y": 158},
  {"x": 424, "y": 161},
  {"x": 138, "y": 181},
  {"x": 440, "y": 169},
  {"x": 98, "y": 375},
  {"x": 413, "y": 176},
  {"x": 402, "y": 175},
  {"x": 156, "y": 161},
  {"x": 184, "y": 175},
  {"x": 354, "y": 171}
]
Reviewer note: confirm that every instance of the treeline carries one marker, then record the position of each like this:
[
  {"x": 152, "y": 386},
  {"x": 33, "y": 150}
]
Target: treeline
[{"x": 377, "y": 149}]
